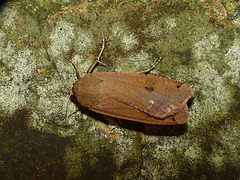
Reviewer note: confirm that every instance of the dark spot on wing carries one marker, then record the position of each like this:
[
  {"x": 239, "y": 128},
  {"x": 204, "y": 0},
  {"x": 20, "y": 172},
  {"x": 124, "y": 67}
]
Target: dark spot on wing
[{"x": 149, "y": 89}]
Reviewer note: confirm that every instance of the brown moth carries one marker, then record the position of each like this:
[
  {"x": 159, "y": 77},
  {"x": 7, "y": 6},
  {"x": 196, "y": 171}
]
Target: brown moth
[{"x": 136, "y": 97}]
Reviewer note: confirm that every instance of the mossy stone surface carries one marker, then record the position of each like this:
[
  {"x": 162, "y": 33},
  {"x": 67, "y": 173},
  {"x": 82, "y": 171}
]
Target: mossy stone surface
[{"x": 200, "y": 45}]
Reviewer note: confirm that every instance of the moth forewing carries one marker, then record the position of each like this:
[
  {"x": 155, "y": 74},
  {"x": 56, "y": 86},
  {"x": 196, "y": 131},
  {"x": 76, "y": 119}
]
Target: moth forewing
[{"x": 136, "y": 97}]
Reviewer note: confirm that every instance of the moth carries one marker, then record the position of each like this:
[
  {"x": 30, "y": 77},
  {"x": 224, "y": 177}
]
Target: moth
[{"x": 135, "y": 97}]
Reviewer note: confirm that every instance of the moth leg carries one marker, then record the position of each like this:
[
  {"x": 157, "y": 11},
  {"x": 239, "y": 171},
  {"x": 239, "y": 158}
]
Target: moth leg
[
  {"x": 114, "y": 121},
  {"x": 74, "y": 112},
  {"x": 99, "y": 57},
  {"x": 151, "y": 68}
]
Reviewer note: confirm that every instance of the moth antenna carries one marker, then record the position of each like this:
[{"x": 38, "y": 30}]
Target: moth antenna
[
  {"x": 99, "y": 57},
  {"x": 151, "y": 68},
  {"x": 60, "y": 72},
  {"x": 77, "y": 72}
]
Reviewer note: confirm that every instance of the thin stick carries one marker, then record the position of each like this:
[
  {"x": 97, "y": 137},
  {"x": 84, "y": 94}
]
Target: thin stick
[{"x": 99, "y": 57}]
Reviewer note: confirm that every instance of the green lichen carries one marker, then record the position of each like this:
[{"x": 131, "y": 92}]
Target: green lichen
[
  {"x": 194, "y": 50},
  {"x": 51, "y": 101},
  {"x": 84, "y": 41},
  {"x": 118, "y": 29},
  {"x": 227, "y": 139},
  {"x": 8, "y": 16},
  {"x": 98, "y": 157},
  {"x": 216, "y": 95},
  {"x": 163, "y": 154},
  {"x": 16, "y": 82},
  {"x": 51, "y": 113},
  {"x": 128, "y": 42},
  {"x": 232, "y": 58},
  {"x": 135, "y": 62},
  {"x": 61, "y": 38}
]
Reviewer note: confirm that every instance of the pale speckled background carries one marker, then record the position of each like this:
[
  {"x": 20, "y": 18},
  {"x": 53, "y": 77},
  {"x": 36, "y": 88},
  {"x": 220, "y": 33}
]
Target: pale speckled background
[{"x": 200, "y": 45}]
